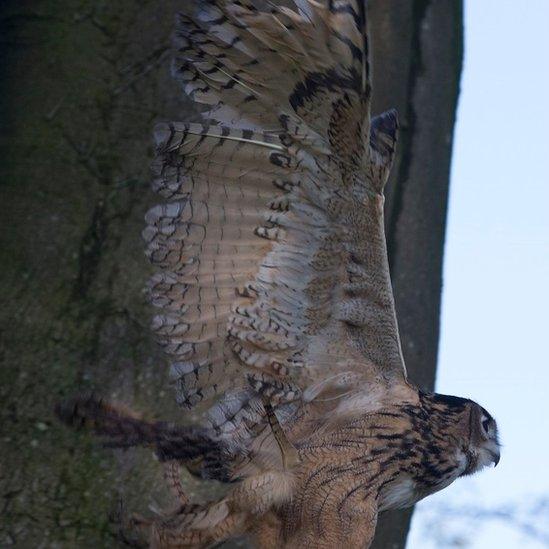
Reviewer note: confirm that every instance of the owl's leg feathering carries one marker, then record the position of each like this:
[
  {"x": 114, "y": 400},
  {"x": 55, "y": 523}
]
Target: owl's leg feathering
[
  {"x": 172, "y": 476},
  {"x": 205, "y": 525}
]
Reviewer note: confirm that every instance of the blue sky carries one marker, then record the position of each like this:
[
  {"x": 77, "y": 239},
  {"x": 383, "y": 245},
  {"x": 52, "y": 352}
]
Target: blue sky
[{"x": 495, "y": 325}]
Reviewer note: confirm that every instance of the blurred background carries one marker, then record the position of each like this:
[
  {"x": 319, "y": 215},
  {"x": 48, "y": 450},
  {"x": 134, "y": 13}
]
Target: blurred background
[
  {"x": 81, "y": 84},
  {"x": 496, "y": 268}
]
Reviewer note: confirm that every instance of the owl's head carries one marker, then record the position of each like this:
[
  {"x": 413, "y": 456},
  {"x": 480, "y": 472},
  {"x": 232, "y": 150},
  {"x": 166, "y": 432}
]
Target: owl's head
[
  {"x": 473, "y": 427},
  {"x": 484, "y": 447}
]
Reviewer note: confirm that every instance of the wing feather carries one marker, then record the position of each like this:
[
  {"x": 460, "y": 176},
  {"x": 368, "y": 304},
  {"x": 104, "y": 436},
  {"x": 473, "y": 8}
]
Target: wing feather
[{"x": 273, "y": 279}]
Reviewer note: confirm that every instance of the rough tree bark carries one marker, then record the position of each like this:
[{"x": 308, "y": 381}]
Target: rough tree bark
[{"x": 82, "y": 82}]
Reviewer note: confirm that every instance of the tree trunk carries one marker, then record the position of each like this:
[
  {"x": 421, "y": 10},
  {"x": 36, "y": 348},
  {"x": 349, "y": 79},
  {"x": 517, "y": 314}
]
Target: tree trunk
[
  {"x": 82, "y": 83},
  {"x": 417, "y": 55}
]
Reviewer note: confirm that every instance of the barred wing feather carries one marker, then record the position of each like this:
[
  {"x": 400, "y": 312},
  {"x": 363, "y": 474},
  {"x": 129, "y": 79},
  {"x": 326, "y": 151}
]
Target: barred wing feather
[{"x": 273, "y": 281}]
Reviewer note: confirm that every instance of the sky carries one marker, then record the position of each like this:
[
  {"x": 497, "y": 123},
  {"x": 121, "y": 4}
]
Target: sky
[{"x": 495, "y": 327}]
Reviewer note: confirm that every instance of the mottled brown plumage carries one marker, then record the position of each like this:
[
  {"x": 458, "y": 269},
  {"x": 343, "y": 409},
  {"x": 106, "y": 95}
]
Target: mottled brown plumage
[{"x": 274, "y": 292}]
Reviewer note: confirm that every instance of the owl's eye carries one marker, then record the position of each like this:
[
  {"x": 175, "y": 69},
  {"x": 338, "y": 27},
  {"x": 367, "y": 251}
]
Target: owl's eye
[{"x": 485, "y": 424}]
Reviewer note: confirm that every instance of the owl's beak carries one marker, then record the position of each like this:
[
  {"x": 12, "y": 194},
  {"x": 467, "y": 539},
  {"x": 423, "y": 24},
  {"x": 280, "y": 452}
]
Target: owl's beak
[{"x": 495, "y": 457}]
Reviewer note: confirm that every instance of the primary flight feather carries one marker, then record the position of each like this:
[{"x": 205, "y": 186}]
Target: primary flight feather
[{"x": 274, "y": 295}]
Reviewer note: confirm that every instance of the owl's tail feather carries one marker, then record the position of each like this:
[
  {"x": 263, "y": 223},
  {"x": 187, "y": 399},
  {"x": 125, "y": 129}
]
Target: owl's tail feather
[{"x": 124, "y": 429}]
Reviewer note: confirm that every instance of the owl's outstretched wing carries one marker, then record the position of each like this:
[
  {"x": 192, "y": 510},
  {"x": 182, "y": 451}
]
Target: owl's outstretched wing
[{"x": 273, "y": 279}]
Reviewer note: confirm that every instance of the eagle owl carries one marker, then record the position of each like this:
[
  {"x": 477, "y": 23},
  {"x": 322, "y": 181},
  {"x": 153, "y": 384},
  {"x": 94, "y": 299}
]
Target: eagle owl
[{"x": 274, "y": 292}]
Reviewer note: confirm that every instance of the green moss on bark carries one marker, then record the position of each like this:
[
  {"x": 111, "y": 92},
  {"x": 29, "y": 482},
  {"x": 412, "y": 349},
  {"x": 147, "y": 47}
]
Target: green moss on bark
[{"x": 82, "y": 84}]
